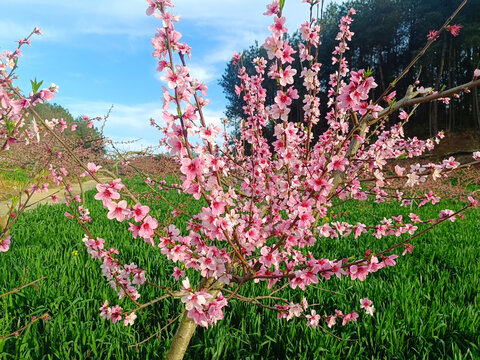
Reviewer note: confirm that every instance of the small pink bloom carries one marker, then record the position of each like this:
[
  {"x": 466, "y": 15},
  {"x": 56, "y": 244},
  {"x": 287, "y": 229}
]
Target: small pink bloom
[
  {"x": 117, "y": 210},
  {"x": 408, "y": 248},
  {"x": 353, "y": 316},
  {"x": 105, "y": 310},
  {"x": 365, "y": 302},
  {"x": 331, "y": 321},
  {"x": 147, "y": 229},
  {"x": 177, "y": 273},
  {"x": 433, "y": 34},
  {"x": 46, "y": 95},
  {"x": 192, "y": 168},
  {"x": 139, "y": 212},
  {"x": 454, "y": 29},
  {"x": 403, "y": 115},
  {"x": 272, "y": 8},
  {"x": 116, "y": 313},
  {"x": 447, "y": 214},
  {"x": 93, "y": 168},
  {"x": 195, "y": 300},
  {"x": 106, "y": 194},
  {"x": 5, "y": 244},
  {"x": 390, "y": 260},
  {"x": 313, "y": 319},
  {"x": 129, "y": 319}
]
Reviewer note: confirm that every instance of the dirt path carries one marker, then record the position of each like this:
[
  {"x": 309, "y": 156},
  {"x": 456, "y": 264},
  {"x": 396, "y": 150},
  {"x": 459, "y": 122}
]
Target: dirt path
[{"x": 44, "y": 198}]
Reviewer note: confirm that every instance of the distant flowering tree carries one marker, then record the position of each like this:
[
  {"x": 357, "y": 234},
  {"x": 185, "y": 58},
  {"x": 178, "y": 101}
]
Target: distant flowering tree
[
  {"x": 27, "y": 138},
  {"x": 266, "y": 207}
]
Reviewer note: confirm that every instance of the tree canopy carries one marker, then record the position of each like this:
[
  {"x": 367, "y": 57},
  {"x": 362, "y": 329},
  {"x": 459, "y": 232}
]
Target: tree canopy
[{"x": 388, "y": 34}]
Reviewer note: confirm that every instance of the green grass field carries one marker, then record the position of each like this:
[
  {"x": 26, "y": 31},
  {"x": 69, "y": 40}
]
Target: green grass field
[{"x": 427, "y": 307}]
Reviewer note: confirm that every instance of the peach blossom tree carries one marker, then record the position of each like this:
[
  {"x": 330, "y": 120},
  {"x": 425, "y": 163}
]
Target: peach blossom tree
[{"x": 266, "y": 205}]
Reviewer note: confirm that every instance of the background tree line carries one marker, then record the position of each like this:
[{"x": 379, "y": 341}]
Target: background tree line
[{"x": 388, "y": 34}]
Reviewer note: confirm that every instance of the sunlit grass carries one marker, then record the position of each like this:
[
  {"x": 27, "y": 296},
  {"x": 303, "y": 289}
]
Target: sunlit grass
[{"x": 427, "y": 307}]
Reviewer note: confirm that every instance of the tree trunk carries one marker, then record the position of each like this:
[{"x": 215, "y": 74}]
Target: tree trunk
[
  {"x": 380, "y": 69},
  {"x": 476, "y": 108},
  {"x": 450, "y": 70},
  {"x": 187, "y": 326},
  {"x": 430, "y": 120},
  {"x": 182, "y": 337},
  {"x": 434, "y": 116}
]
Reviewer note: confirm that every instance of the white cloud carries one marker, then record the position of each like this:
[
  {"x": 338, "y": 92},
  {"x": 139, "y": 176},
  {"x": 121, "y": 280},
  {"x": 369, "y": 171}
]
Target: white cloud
[
  {"x": 213, "y": 116},
  {"x": 126, "y": 122},
  {"x": 131, "y": 123},
  {"x": 61, "y": 20},
  {"x": 204, "y": 73}
]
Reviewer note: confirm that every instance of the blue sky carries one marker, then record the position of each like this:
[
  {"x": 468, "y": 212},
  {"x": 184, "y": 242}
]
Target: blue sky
[{"x": 99, "y": 52}]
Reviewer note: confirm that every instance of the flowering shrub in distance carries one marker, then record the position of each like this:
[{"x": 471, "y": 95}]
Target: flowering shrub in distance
[{"x": 267, "y": 206}]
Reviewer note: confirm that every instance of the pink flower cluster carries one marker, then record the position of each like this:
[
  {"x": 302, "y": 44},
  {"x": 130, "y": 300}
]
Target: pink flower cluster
[
  {"x": 200, "y": 308},
  {"x": 115, "y": 314},
  {"x": 277, "y": 207},
  {"x": 266, "y": 205},
  {"x": 125, "y": 279}
]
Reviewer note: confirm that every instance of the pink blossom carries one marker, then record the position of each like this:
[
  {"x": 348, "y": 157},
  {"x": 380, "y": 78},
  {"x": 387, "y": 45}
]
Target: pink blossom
[
  {"x": 147, "y": 229},
  {"x": 178, "y": 273},
  {"x": 353, "y": 316},
  {"x": 433, "y": 34},
  {"x": 367, "y": 305},
  {"x": 115, "y": 313},
  {"x": 106, "y": 194},
  {"x": 117, "y": 210},
  {"x": 139, "y": 212},
  {"x": 93, "y": 168},
  {"x": 278, "y": 29},
  {"x": 472, "y": 201},
  {"x": 403, "y": 115},
  {"x": 313, "y": 319},
  {"x": 454, "y": 29},
  {"x": 408, "y": 248},
  {"x": 272, "y": 8},
  {"x": 447, "y": 214},
  {"x": 46, "y": 95},
  {"x": 390, "y": 260},
  {"x": 5, "y": 244},
  {"x": 195, "y": 300},
  {"x": 192, "y": 168},
  {"x": 129, "y": 319},
  {"x": 358, "y": 272},
  {"x": 337, "y": 163},
  {"x": 286, "y": 76},
  {"x": 105, "y": 310},
  {"x": 331, "y": 321},
  {"x": 199, "y": 316}
]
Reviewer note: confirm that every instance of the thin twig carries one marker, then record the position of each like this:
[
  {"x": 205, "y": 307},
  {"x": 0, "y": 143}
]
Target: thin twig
[
  {"x": 22, "y": 287},
  {"x": 157, "y": 333}
]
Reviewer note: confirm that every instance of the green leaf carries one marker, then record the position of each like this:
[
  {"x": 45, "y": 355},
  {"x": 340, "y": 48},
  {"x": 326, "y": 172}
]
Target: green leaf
[
  {"x": 367, "y": 72},
  {"x": 403, "y": 156},
  {"x": 282, "y": 3},
  {"x": 36, "y": 85},
  {"x": 8, "y": 125}
]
